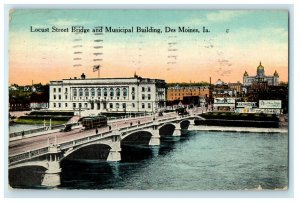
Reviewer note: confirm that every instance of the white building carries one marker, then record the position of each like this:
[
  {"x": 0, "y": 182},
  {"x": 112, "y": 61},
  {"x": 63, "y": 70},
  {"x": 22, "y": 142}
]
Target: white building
[
  {"x": 261, "y": 77},
  {"x": 135, "y": 94}
]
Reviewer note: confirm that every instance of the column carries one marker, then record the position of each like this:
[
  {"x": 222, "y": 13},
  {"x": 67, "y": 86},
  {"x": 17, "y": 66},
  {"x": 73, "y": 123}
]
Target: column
[
  {"x": 52, "y": 175},
  {"x": 115, "y": 151},
  {"x": 177, "y": 130},
  {"x": 155, "y": 138}
]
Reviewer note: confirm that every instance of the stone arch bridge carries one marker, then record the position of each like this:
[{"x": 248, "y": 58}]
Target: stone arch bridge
[{"x": 50, "y": 157}]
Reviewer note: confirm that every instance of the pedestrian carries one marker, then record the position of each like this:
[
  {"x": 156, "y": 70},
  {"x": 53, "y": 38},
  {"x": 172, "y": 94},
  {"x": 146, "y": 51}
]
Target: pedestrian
[
  {"x": 96, "y": 131},
  {"x": 23, "y": 133}
]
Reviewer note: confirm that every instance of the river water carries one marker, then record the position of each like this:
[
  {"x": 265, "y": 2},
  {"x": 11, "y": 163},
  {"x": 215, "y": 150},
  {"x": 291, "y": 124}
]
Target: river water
[
  {"x": 20, "y": 127},
  {"x": 197, "y": 161}
]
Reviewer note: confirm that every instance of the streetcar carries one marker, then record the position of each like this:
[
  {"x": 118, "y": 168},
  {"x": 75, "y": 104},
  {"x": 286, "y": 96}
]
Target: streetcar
[{"x": 94, "y": 121}]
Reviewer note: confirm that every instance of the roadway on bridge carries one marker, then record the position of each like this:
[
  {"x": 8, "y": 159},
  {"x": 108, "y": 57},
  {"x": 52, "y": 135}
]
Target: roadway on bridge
[{"x": 37, "y": 142}]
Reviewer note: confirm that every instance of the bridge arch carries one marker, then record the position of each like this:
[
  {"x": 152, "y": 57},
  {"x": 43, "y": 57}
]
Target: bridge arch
[
  {"x": 166, "y": 129},
  {"x": 67, "y": 153},
  {"x": 184, "y": 124},
  {"x": 166, "y": 124},
  {"x": 43, "y": 164},
  {"x": 141, "y": 136}
]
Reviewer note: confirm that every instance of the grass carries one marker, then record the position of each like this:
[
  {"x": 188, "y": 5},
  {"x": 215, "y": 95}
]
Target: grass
[{"x": 38, "y": 121}]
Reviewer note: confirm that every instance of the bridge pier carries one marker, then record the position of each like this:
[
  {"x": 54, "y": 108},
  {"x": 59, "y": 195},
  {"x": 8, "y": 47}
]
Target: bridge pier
[
  {"x": 177, "y": 130},
  {"x": 115, "y": 151},
  {"x": 155, "y": 138},
  {"x": 52, "y": 175}
]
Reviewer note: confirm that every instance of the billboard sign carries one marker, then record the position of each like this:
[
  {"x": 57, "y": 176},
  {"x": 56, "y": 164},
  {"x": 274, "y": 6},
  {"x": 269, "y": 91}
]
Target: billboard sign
[
  {"x": 246, "y": 104},
  {"x": 270, "y": 104},
  {"x": 224, "y": 101}
]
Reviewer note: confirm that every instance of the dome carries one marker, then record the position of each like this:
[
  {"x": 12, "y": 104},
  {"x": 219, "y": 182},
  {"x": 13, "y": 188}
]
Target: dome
[
  {"x": 246, "y": 73},
  {"x": 260, "y": 66},
  {"x": 276, "y": 74}
]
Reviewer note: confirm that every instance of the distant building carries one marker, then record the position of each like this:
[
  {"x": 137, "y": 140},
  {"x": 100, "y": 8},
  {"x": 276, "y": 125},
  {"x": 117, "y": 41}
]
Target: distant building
[
  {"x": 261, "y": 77},
  {"x": 135, "y": 94},
  {"x": 224, "y": 104},
  {"x": 179, "y": 92},
  {"x": 221, "y": 89},
  {"x": 237, "y": 87}
]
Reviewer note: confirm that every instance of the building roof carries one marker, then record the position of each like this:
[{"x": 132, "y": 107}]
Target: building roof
[
  {"x": 276, "y": 74},
  {"x": 260, "y": 66},
  {"x": 246, "y": 73}
]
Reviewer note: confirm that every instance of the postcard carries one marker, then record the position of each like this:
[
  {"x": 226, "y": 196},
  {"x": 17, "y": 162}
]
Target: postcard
[{"x": 135, "y": 99}]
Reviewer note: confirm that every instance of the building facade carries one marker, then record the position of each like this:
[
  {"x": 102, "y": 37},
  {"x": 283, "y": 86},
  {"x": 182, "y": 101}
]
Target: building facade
[
  {"x": 179, "y": 92},
  {"x": 135, "y": 94},
  {"x": 221, "y": 89},
  {"x": 261, "y": 77}
]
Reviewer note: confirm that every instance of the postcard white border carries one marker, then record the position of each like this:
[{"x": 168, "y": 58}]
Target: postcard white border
[{"x": 151, "y": 194}]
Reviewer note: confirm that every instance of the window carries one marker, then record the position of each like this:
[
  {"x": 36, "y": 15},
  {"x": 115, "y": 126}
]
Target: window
[
  {"x": 143, "y": 89},
  {"x": 66, "y": 104},
  {"x": 54, "y": 97},
  {"x": 59, "y": 97},
  {"x": 149, "y": 96},
  {"x": 59, "y": 105},
  {"x": 66, "y": 90},
  {"x": 54, "y": 90},
  {"x": 75, "y": 92},
  {"x": 117, "y": 105},
  {"x": 149, "y": 89},
  {"x": 143, "y": 105},
  {"x": 80, "y": 92},
  {"x": 99, "y": 92},
  {"x": 93, "y": 92},
  {"x": 111, "y": 90},
  {"x": 86, "y": 92},
  {"x": 124, "y": 105},
  {"x": 149, "y": 105},
  {"x": 59, "y": 90},
  {"x": 118, "y": 92},
  {"x": 133, "y": 97},
  {"x": 54, "y": 104},
  {"x": 133, "y": 105},
  {"x": 85, "y": 105},
  {"x": 111, "y": 105},
  {"x": 105, "y": 92},
  {"x": 143, "y": 96},
  {"x": 80, "y": 105},
  {"x": 124, "y": 92},
  {"x": 74, "y": 105},
  {"x": 133, "y": 89}
]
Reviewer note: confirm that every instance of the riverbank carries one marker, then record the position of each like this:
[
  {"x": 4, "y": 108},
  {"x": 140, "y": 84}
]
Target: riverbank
[{"x": 237, "y": 129}]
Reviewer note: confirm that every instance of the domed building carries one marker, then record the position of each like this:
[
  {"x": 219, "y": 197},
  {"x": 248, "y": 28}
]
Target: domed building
[{"x": 261, "y": 77}]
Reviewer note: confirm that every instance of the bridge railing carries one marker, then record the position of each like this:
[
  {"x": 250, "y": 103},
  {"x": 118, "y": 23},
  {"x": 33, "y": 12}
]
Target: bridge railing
[
  {"x": 37, "y": 130},
  {"x": 111, "y": 119},
  {"x": 28, "y": 155}
]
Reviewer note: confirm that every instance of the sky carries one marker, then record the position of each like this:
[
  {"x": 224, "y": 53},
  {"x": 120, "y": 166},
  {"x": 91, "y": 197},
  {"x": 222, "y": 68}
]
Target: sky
[{"x": 237, "y": 41}]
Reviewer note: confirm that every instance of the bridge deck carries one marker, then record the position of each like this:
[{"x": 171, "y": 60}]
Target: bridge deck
[{"x": 36, "y": 142}]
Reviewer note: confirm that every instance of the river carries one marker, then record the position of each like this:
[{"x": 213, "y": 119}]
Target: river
[
  {"x": 20, "y": 127},
  {"x": 198, "y": 161}
]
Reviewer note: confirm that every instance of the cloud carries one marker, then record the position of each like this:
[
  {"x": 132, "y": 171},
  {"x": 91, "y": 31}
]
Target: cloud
[
  {"x": 222, "y": 16},
  {"x": 68, "y": 22}
]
